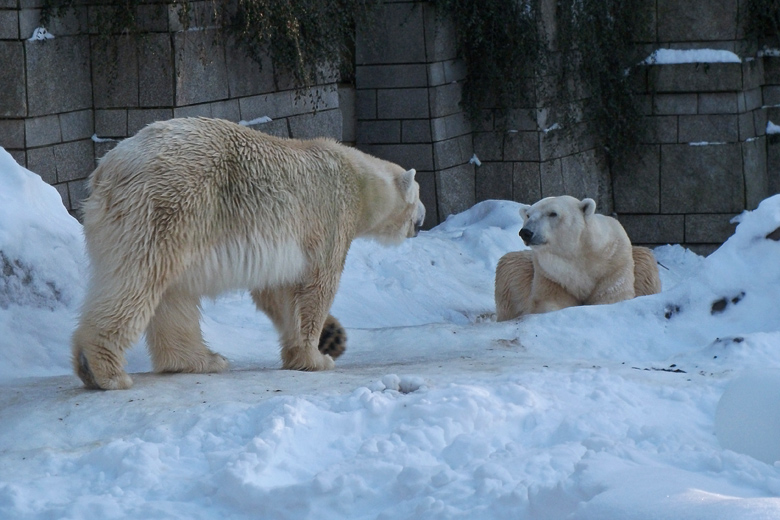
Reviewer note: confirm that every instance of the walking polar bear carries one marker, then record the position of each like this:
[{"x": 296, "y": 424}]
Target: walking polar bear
[
  {"x": 194, "y": 207},
  {"x": 577, "y": 257}
]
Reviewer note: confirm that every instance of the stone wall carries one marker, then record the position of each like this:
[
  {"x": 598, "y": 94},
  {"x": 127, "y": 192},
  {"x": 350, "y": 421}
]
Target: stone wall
[
  {"x": 407, "y": 87},
  {"x": 705, "y": 156},
  {"x": 66, "y": 101},
  {"x": 703, "y": 159}
]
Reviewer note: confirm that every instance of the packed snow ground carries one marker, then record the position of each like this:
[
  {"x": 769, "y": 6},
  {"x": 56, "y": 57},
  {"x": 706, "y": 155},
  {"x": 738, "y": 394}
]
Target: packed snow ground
[{"x": 434, "y": 411}]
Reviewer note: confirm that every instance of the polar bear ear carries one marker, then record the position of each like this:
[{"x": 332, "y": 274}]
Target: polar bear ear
[
  {"x": 588, "y": 207},
  {"x": 407, "y": 181},
  {"x": 524, "y": 211}
]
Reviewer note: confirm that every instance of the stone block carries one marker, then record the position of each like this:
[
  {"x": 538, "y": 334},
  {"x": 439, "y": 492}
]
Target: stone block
[
  {"x": 275, "y": 105},
  {"x": 19, "y": 156},
  {"x": 585, "y": 175},
  {"x": 42, "y": 162},
  {"x": 74, "y": 160},
  {"x": 759, "y": 121},
  {"x": 313, "y": 100},
  {"x": 771, "y": 69},
  {"x": 521, "y": 119},
  {"x": 674, "y": 104},
  {"x": 695, "y": 77},
  {"x": 42, "y": 131},
  {"x": 551, "y": 179},
  {"x": 521, "y": 146},
  {"x": 137, "y": 119},
  {"x": 373, "y": 132},
  {"x": 198, "y": 14},
  {"x": 155, "y": 70},
  {"x": 708, "y": 229},
  {"x": 654, "y": 229},
  {"x": 489, "y": 146},
  {"x": 452, "y": 152},
  {"x": 702, "y": 179},
  {"x": 752, "y": 74},
  {"x": 442, "y": 72},
  {"x": 402, "y": 103},
  {"x": 753, "y": 99},
  {"x": 396, "y": 36},
  {"x": 277, "y": 127},
  {"x": 12, "y": 133},
  {"x": 78, "y": 191},
  {"x": 111, "y": 123},
  {"x": 200, "y": 69},
  {"x": 771, "y": 95},
  {"x": 659, "y": 129},
  {"x": 226, "y": 110},
  {"x": 440, "y": 35},
  {"x": 115, "y": 71},
  {"x": 365, "y": 104},
  {"x": 455, "y": 190},
  {"x": 77, "y": 125},
  {"x": 247, "y": 77},
  {"x": 416, "y": 131},
  {"x": 445, "y": 99},
  {"x": 560, "y": 143},
  {"x": 152, "y": 17},
  {"x": 9, "y": 25},
  {"x": 62, "y": 189},
  {"x": 391, "y": 76},
  {"x": 697, "y": 20},
  {"x": 773, "y": 163},
  {"x": 636, "y": 181},
  {"x": 326, "y": 123},
  {"x": 201, "y": 110},
  {"x": 347, "y": 107},
  {"x": 13, "y": 91},
  {"x": 447, "y": 127},
  {"x": 427, "y": 182},
  {"x": 103, "y": 147},
  {"x": 494, "y": 181},
  {"x": 754, "y": 163},
  {"x": 708, "y": 128},
  {"x": 526, "y": 182},
  {"x": 747, "y": 128},
  {"x": 718, "y": 103},
  {"x": 70, "y": 22},
  {"x": 417, "y": 156}
]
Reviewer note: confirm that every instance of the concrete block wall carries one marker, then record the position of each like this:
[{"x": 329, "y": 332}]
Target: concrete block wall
[
  {"x": 407, "y": 93},
  {"x": 703, "y": 157},
  {"x": 57, "y": 94}
]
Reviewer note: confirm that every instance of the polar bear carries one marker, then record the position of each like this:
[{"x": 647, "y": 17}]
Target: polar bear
[
  {"x": 196, "y": 206},
  {"x": 577, "y": 257}
]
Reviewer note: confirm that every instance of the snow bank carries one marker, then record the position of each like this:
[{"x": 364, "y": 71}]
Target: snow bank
[{"x": 434, "y": 411}]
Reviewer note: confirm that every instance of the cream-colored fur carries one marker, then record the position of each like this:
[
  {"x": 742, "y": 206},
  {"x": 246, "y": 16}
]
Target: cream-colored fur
[
  {"x": 577, "y": 257},
  {"x": 193, "y": 207}
]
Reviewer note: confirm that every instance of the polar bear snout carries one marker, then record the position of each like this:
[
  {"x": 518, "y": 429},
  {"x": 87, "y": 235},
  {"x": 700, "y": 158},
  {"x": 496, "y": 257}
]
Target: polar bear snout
[{"x": 530, "y": 238}]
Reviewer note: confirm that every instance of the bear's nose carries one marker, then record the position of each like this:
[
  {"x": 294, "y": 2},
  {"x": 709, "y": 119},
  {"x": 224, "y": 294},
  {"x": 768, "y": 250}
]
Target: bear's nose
[{"x": 526, "y": 235}]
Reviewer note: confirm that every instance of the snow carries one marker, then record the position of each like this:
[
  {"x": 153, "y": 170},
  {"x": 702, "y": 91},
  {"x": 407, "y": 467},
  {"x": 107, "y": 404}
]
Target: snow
[
  {"x": 40, "y": 34},
  {"x": 676, "y": 56},
  {"x": 257, "y": 121},
  {"x": 434, "y": 411},
  {"x": 772, "y": 128}
]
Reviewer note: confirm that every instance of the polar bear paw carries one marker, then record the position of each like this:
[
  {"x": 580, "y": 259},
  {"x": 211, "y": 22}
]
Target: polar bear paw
[{"x": 333, "y": 339}]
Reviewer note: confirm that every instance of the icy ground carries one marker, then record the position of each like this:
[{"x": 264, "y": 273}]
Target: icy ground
[{"x": 434, "y": 411}]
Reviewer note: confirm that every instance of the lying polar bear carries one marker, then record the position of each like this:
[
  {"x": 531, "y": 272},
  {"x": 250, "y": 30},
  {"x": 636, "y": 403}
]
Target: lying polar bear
[{"x": 577, "y": 257}]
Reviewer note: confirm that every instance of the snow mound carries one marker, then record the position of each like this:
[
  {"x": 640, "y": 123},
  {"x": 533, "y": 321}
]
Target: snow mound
[{"x": 748, "y": 416}]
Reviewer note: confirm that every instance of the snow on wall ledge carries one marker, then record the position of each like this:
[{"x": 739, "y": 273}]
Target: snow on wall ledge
[{"x": 677, "y": 56}]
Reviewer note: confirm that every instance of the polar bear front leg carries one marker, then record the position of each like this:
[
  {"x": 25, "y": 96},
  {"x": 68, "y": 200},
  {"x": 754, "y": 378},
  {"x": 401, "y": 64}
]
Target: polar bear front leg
[
  {"x": 174, "y": 337},
  {"x": 289, "y": 308}
]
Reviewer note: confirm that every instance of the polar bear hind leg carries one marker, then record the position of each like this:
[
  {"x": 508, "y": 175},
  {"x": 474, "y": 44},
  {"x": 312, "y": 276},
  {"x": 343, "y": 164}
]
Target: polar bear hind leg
[{"x": 174, "y": 336}]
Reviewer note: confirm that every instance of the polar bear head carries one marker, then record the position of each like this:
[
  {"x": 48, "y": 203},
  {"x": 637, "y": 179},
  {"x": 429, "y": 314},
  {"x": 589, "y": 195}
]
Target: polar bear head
[
  {"x": 408, "y": 214},
  {"x": 556, "y": 223}
]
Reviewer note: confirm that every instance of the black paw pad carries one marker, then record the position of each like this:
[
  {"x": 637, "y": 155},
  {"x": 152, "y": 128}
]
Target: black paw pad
[{"x": 333, "y": 338}]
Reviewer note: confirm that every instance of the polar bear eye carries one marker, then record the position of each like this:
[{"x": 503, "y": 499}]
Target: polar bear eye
[{"x": 552, "y": 214}]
